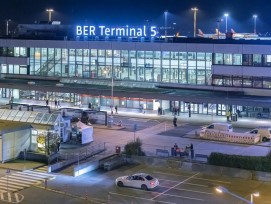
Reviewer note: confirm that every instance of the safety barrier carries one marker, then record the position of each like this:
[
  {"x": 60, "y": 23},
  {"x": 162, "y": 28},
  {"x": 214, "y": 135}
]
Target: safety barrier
[{"x": 245, "y": 138}]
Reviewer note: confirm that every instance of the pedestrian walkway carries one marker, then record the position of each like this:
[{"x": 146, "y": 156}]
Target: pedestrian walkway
[
  {"x": 43, "y": 169},
  {"x": 20, "y": 180}
]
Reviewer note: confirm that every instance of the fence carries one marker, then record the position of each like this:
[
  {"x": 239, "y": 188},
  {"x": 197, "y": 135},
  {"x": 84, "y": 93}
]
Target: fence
[{"x": 66, "y": 159}]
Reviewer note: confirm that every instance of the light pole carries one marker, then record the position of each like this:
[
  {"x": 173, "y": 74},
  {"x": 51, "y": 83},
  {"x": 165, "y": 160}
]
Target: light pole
[
  {"x": 219, "y": 20},
  {"x": 49, "y": 14},
  {"x": 7, "y": 22},
  {"x": 255, "y": 18},
  {"x": 226, "y": 16},
  {"x": 166, "y": 13},
  {"x": 195, "y": 10},
  {"x": 221, "y": 189}
]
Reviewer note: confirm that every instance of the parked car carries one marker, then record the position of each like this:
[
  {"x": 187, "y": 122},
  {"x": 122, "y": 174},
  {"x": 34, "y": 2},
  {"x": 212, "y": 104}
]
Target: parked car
[{"x": 140, "y": 180}]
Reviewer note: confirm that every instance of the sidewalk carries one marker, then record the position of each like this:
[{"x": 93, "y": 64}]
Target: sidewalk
[{"x": 21, "y": 165}]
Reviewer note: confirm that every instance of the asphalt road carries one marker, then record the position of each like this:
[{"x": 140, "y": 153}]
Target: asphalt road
[{"x": 175, "y": 187}]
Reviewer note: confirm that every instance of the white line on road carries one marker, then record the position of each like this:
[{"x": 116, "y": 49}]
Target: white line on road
[
  {"x": 139, "y": 198},
  {"x": 159, "y": 172},
  {"x": 190, "y": 198},
  {"x": 193, "y": 184},
  {"x": 175, "y": 186}
]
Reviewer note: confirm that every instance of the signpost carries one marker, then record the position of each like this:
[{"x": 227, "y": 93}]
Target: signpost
[
  {"x": 7, "y": 172},
  {"x": 135, "y": 129}
]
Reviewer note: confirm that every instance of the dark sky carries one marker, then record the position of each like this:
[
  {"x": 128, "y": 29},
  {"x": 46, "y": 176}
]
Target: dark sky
[{"x": 135, "y": 12}]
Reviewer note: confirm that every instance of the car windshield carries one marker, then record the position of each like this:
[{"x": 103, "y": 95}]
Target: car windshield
[{"x": 148, "y": 177}]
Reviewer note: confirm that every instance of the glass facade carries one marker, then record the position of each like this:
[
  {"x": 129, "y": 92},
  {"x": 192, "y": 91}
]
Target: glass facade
[{"x": 130, "y": 65}]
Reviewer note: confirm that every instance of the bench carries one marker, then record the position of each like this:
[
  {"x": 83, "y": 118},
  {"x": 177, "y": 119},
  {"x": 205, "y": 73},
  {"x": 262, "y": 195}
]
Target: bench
[
  {"x": 162, "y": 152},
  {"x": 201, "y": 156}
]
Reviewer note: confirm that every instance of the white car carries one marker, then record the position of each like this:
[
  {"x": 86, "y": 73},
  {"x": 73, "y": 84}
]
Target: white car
[{"x": 139, "y": 180}]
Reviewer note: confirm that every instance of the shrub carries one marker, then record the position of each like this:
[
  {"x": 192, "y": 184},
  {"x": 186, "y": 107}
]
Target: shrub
[
  {"x": 134, "y": 148},
  {"x": 256, "y": 163}
]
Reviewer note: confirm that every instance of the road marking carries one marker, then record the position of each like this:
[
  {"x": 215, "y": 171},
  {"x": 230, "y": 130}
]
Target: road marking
[
  {"x": 190, "y": 198},
  {"x": 182, "y": 189},
  {"x": 193, "y": 184},
  {"x": 175, "y": 186},
  {"x": 139, "y": 198},
  {"x": 9, "y": 197},
  {"x": 158, "y": 172}
]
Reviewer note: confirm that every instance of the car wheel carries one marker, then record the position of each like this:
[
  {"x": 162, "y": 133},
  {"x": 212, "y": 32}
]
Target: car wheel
[
  {"x": 120, "y": 184},
  {"x": 144, "y": 187},
  {"x": 264, "y": 139}
]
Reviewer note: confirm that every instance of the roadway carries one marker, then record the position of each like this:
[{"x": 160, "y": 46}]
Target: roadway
[{"x": 175, "y": 187}]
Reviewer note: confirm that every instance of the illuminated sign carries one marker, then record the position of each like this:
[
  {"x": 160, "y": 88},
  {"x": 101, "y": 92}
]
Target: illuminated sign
[{"x": 116, "y": 31}]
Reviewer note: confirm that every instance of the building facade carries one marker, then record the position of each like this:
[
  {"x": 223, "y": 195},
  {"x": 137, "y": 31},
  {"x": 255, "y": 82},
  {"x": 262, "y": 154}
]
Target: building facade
[{"x": 230, "y": 67}]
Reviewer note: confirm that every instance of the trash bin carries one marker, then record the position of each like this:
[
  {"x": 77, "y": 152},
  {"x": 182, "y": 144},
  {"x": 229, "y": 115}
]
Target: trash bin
[
  {"x": 117, "y": 149},
  {"x": 234, "y": 117}
]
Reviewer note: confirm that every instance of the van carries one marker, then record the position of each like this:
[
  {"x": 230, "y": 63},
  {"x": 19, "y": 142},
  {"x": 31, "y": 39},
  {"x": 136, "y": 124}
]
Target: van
[
  {"x": 265, "y": 133},
  {"x": 220, "y": 126}
]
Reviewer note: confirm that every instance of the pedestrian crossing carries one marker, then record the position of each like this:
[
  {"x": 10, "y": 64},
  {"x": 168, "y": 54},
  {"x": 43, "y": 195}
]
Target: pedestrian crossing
[
  {"x": 43, "y": 169},
  {"x": 20, "y": 180}
]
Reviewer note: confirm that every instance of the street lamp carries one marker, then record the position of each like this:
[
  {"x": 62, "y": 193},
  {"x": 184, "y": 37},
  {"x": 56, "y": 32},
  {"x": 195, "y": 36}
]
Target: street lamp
[
  {"x": 255, "y": 18},
  {"x": 7, "y": 22},
  {"x": 219, "y": 20},
  {"x": 166, "y": 13},
  {"x": 50, "y": 14},
  {"x": 195, "y": 10},
  {"x": 221, "y": 189},
  {"x": 226, "y": 16}
]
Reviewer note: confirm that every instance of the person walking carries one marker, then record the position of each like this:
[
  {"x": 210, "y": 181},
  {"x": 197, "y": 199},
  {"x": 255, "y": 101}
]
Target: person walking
[
  {"x": 47, "y": 102},
  {"x": 116, "y": 109},
  {"x": 175, "y": 121},
  {"x": 55, "y": 103}
]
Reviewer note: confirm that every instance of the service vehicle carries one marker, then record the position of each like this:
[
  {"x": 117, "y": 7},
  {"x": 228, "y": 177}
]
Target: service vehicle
[
  {"x": 265, "y": 133},
  {"x": 220, "y": 126}
]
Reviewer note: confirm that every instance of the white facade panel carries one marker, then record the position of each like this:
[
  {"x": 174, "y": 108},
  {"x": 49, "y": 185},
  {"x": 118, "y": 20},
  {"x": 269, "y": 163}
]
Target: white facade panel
[
  {"x": 99, "y": 45},
  {"x": 228, "y": 48},
  {"x": 14, "y": 60},
  {"x": 144, "y": 46},
  {"x": 77, "y": 45},
  {"x": 123, "y": 46},
  {"x": 257, "y": 49},
  {"x": 175, "y": 47},
  {"x": 227, "y": 70},
  {"x": 195, "y": 47},
  {"x": 257, "y": 71}
]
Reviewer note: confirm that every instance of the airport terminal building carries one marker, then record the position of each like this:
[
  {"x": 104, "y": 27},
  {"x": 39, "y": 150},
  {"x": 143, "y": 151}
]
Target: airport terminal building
[{"x": 208, "y": 76}]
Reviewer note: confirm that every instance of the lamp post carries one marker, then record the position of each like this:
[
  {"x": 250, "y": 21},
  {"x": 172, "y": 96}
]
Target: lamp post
[
  {"x": 7, "y": 23},
  {"x": 195, "y": 10},
  {"x": 221, "y": 189},
  {"x": 219, "y": 20},
  {"x": 49, "y": 14},
  {"x": 226, "y": 16},
  {"x": 166, "y": 13},
  {"x": 255, "y": 18}
]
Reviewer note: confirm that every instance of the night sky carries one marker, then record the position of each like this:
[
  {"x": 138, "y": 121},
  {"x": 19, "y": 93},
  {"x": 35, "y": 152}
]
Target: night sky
[{"x": 127, "y": 12}]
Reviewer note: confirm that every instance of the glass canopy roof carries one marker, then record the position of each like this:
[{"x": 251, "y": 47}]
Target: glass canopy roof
[{"x": 29, "y": 116}]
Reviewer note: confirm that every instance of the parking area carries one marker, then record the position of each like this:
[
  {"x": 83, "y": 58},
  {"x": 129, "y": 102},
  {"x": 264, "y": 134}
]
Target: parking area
[{"x": 175, "y": 186}]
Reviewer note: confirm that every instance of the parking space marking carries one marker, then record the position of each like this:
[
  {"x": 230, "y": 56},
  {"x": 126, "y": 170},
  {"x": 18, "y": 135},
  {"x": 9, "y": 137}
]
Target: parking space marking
[
  {"x": 190, "y": 198},
  {"x": 139, "y": 198},
  {"x": 192, "y": 184},
  {"x": 183, "y": 189},
  {"x": 213, "y": 180},
  {"x": 175, "y": 186}
]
